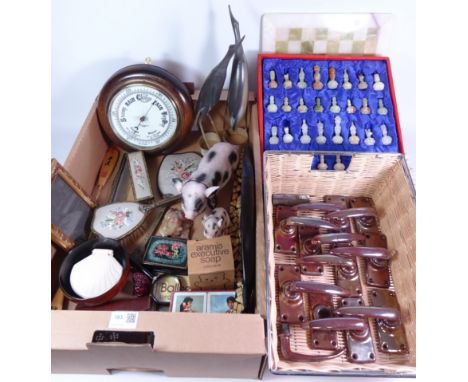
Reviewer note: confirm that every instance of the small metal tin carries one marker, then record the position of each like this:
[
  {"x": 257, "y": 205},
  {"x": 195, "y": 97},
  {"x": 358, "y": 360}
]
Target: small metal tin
[
  {"x": 176, "y": 167},
  {"x": 163, "y": 287},
  {"x": 164, "y": 252}
]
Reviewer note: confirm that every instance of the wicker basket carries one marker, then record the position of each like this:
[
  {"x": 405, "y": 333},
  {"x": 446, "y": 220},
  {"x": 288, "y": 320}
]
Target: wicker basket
[{"x": 384, "y": 178}]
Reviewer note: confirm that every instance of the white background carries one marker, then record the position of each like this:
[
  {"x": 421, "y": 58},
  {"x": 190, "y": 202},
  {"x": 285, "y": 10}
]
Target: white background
[{"x": 92, "y": 39}]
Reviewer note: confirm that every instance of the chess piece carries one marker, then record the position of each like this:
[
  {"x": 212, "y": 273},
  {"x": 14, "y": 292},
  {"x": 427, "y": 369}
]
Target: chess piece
[
  {"x": 350, "y": 109},
  {"x": 274, "y": 140},
  {"x": 369, "y": 141},
  {"x": 318, "y": 108},
  {"x": 362, "y": 82},
  {"x": 332, "y": 83},
  {"x": 334, "y": 108},
  {"x": 302, "y": 108},
  {"x": 272, "y": 84},
  {"x": 286, "y": 106},
  {"x": 337, "y": 138},
  {"x": 382, "y": 110},
  {"x": 287, "y": 84},
  {"x": 322, "y": 165},
  {"x": 317, "y": 85},
  {"x": 378, "y": 85},
  {"x": 365, "y": 109},
  {"x": 301, "y": 84},
  {"x": 305, "y": 137},
  {"x": 353, "y": 137},
  {"x": 320, "y": 139},
  {"x": 287, "y": 137},
  {"x": 338, "y": 165},
  {"x": 346, "y": 84},
  {"x": 386, "y": 139},
  {"x": 272, "y": 108}
]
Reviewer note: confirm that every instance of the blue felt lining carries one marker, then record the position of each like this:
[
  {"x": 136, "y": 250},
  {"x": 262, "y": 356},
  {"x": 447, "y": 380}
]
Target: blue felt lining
[{"x": 294, "y": 119}]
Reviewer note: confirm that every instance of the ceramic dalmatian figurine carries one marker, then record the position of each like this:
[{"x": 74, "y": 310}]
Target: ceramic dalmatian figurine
[
  {"x": 213, "y": 172},
  {"x": 216, "y": 224}
]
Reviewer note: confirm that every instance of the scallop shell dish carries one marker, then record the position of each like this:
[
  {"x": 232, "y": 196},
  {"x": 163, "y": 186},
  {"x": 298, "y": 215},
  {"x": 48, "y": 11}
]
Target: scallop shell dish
[{"x": 95, "y": 274}]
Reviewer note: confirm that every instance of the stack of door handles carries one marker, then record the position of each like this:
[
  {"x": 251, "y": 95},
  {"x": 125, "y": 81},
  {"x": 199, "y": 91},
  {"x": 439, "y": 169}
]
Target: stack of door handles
[{"x": 342, "y": 233}]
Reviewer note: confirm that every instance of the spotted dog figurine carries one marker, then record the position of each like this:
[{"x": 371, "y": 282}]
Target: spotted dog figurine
[
  {"x": 214, "y": 171},
  {"x": 216, "y": 224}
]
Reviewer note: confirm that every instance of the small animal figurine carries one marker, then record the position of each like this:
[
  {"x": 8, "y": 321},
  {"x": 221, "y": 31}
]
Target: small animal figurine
[
  {"x": 174, "y": 224},
  {"x": 287, "y": 84},
  {"x": 213, "y": 172},
  {"x": 305, "y": 137},
  {"x": 286, "y": 106},
  {"x": 332, "y": 83},
  {"x": 272, "y": 84},
  {"x": 353, "y": 137},
  {"x": 365, "y": 109},
  {"x": 337, "y": 138},
  {"x": 320, "y": 139},
  {"x": 301, "y": 84},
  {"x": 378, "y": 85},
  {"x": 350, "y": 109},
  {"x": 318, "y": 108},
  {"x": 386, "y": 139},
  {"x": 317, "y": 84},
  {"x": 216, "y": 224},
  {"x": 302, "y": 108},
  {"x": 274, "y": 140},
  {"x": 322, "y": 165},
  {"x": 369, "y": 141},
  {"x": 338, "y": 165},
  {"x": 382, "y": 110},
  {"x": 272, "y": 108},
  {"x": 346, "y": 84},
  {"x": 334, "y": 108},
  {"x": 287, "y": 137},
  {"x": 362, "y": 82}
]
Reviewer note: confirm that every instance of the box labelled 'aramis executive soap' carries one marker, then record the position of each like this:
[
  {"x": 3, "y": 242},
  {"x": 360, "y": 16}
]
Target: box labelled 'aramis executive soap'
[{"x": 211, "y": 263}]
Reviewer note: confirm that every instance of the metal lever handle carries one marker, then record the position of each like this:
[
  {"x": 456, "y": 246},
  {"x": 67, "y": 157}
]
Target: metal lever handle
[
  {"x": 381, "y": 313},
  {"x": 310, "y": 222},
  {"x": 326, "y": 207},
  {"x": 367, "y": 252},
  {"x": 285, "y": 344},
  {"x": 352, "y": 213},
  {"x": 326, "y": 259},
  {"x": 340, "y": 237},
  {"x": 293, "y": 289},
  {"x": 343, "y": 323}
]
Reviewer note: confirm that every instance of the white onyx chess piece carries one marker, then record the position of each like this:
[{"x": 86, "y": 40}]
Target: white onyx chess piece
[
  {"x": 322, "y": 165},
  {"x": 346, "y": 84},
  {"x": 378, "y": 85},
  {"x": 369, "y": 141},
  {"x": 320, "y": 139},
  {"x": 350, "y": 109},
  {"x": 317, "y": 85},
  {"x": 353, "y": 137},
  {"x": 337, "y": 138},
  {"x": 334, "y": 108},
  {"x": 305, "y": 137},
  {"x": 338, "y": 165},
  {"x": 362, "y": 82},
  {"x": 286, "y": 106},
  {"x": 302, "y": 108},
  {"x": 287, "y": 137},
  {"x": 386, "y": 139},
  {"x": 332, "y": 83},
  {"x": 287, "y": 84},
  {"x": 272, "y": 84},
  {"x": 301, "y": 84},
  {"x": 382, "y": 110},
  {"x": 365, "y": 109},
  {"x": 272, "y": 108},
  {"x": 318, "y": 108},
  {"x": 274, "y": 140}
]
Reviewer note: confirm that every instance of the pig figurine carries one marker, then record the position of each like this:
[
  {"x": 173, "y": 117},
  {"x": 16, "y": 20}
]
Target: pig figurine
[
  {"x": 213, "y": 172},
  {"x": 216, "y": 224}
]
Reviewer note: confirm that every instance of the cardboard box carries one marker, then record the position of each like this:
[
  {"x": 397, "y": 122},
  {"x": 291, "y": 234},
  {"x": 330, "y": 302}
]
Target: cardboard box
[{"x": 185, "y": 345}]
